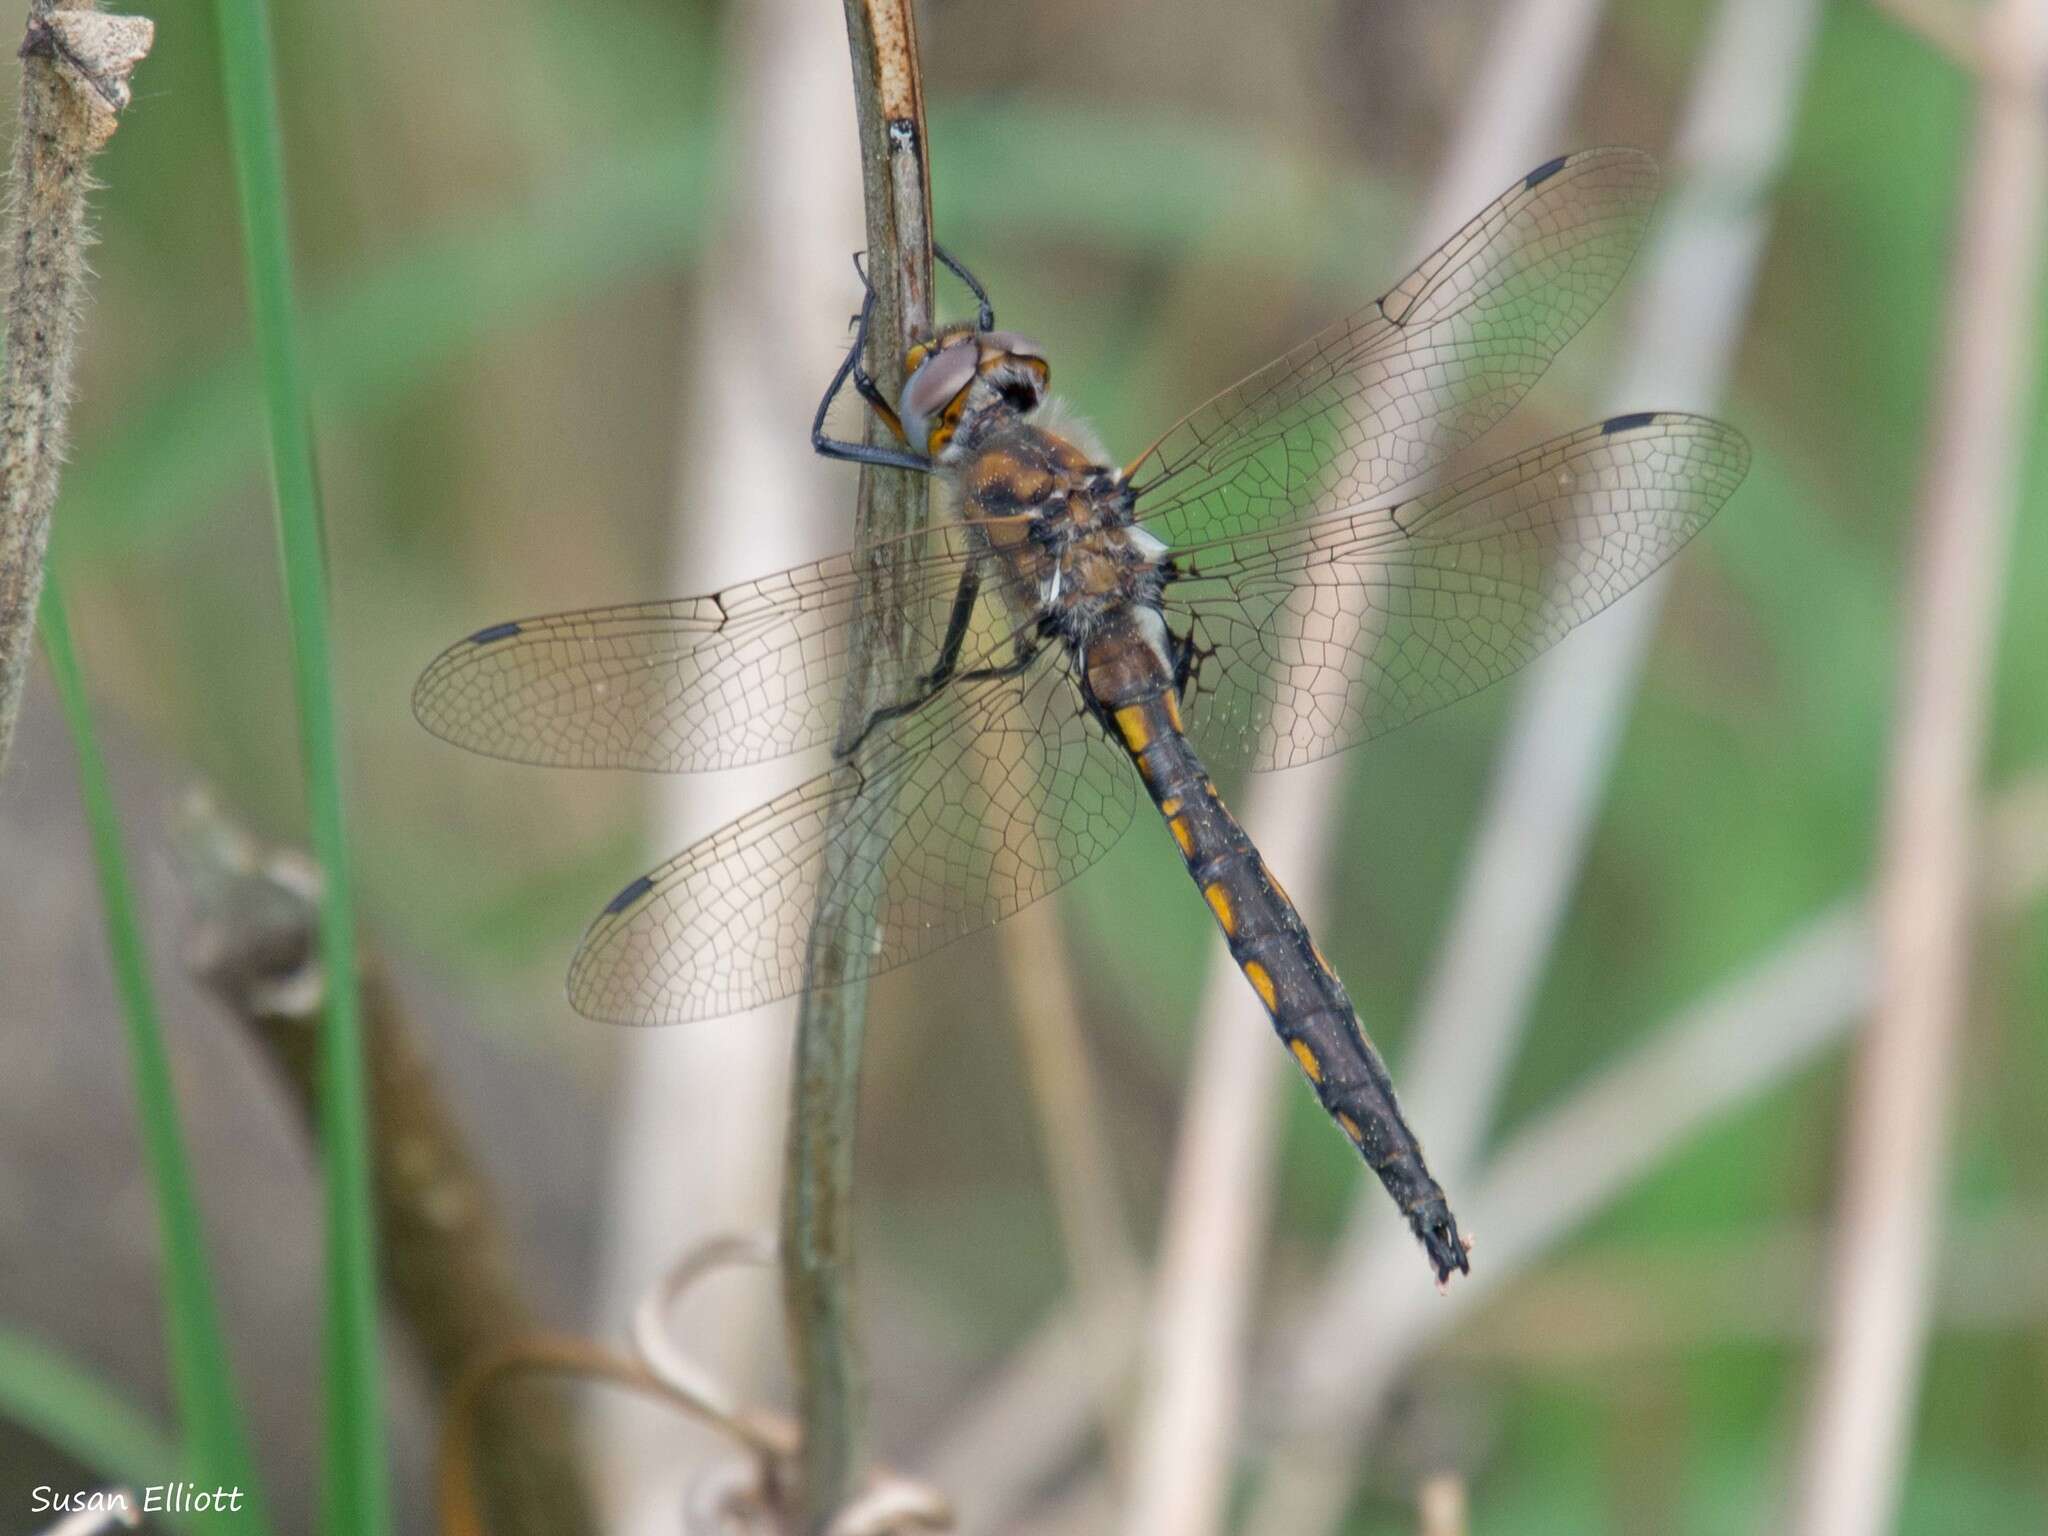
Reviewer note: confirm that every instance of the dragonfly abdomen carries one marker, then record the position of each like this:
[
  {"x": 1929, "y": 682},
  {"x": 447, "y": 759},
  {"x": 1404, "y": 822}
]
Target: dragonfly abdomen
[{"x": 1308, "y": 1006}]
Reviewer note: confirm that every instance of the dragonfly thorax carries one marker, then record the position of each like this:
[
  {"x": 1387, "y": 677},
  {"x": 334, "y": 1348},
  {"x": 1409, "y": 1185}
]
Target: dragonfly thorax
[
  {"x": 1061, "y": 524},
  {"x": 965, "y": 383}
]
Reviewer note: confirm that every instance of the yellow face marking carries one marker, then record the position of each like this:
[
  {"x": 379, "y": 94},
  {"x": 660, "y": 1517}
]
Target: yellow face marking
[
  {"x": 1137, "y": 730},
  {"x": 1307, "y": 1058},
  {"x": 1219, "y": 903},
  {"x": 1178, "y": 826},
  {"x": 1350, "y": 1126},
  {"x": 916, "y": 355}
]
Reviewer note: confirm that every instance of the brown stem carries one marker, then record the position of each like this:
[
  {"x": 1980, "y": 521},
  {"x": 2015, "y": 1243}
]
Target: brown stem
[
  {"x": 817, "y": 1218},
  {"x": 1895, "y": 1152},
  {"x": 445, "y": 1259},
  {"x": 75, "y": 65}
]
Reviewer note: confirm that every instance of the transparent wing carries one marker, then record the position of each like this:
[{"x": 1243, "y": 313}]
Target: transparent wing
[
  {"x": 1000, "y": 792},
  {"x": 1316, "y": 637},
  {"x": 744, "y": 675},
  {"x": 1379, "y": 399}
]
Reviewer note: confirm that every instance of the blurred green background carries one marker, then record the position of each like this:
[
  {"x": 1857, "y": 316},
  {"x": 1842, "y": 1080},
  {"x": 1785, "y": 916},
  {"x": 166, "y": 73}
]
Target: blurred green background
[{"x": 502, "y": 216}]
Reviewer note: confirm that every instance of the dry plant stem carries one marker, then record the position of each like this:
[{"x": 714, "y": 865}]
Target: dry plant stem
[
  {"x": 817, "y": 1212},
  {"x": 1743, "y": 1039},
  {"x": 75, "y": 65},
  {"x": 465, "y": 1422},
  {"x": 1948, "y": 26},
  {"x": 1102, "y": 1260},
  {"x": 1739, "y": 1041},
  {"x": 1442, "y": 1507},
  {"x": 1191, "y": 1371},
  {"x": 1532, "y": 837},
  {"x": 1193, "y": 1382},
  {"x": 1036, "y": 1416},
  {"x": 122, "y": 1512},
  {"x": 1895, "y": 1158},
  {"x": 697, "y": 1136},
  {"x": 444, "y": 1255},
  {"x": 1624, "y": 1306}
]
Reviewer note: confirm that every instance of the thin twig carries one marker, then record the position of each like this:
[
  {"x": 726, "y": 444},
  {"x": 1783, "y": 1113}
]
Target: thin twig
[
  {"x": 817, "y": 1216},
  {"x": 1895, "y": 1156},
  {"x": 1037, "y": 1413},
  {"x": 1216, "y": 1202},
  {"x": 1442, "y": 1507},
  {"x": 1947, "y": 26},
  {"x": 75, "y": 65},
  {"x": 113, "y": 1509},
  {"x": 1532, "y": 839},
  {"x": 571, "y": 1359},
  {"x": 1746, "y": 1037},
  {"x": 1739, "y": 1041},
  {"x": 1191, "y": 1376},
  {"x": 445, "y": 1257},
  {"x": 697, "y": 1134},
  {"x": 1102, "y": 1260},
  {"x": 1625, "y": 1304}
]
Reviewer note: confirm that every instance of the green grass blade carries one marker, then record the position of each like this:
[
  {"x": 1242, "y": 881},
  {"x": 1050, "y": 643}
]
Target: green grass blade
[
  {"x": 215, "y": 1435},
  {"x": 356, "y": 1499},
  {"x": 62, "y": 1402}
]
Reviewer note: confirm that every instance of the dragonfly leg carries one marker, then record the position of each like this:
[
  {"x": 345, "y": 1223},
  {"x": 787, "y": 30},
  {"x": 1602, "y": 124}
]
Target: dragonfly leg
[
  {"x": 985, "y": 320},
  {"x": 956, "y": 628},
  {"x": 928, "y": 687},
  {"x": 850, "y": 369}
]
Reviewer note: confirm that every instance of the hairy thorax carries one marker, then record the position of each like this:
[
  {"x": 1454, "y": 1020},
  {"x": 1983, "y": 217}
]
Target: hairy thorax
[{"x": 1060, "y": 524}]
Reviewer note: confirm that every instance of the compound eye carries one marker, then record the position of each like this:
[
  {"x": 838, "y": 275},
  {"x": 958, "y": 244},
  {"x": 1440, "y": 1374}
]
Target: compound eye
[{"x": 929, "y": 390}]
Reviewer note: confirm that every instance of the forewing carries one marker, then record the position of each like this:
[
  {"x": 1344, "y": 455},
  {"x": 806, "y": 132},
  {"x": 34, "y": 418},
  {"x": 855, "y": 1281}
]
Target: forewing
[
  {"x": 1314, "y": 638},
  {"x": 1004, "y": 792},
  {"x": 744, "y": 675},
  {"x": 1381, "y": 398}
]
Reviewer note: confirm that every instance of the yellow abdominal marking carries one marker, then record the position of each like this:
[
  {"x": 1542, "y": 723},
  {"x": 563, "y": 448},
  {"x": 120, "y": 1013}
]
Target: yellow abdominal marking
[
  {"x": 1170, "y": 806},
  {"x": 1219, "y": 903},
  {"x": 1137, "y": 730},
  {"x": 1178, "y": 825},
  {"x": 1307, "y": 1058},
  {"x": 1350, "y": 1126},
  {"x": 1172, "y": 709},
  {"x": 1262, "y": 983}
]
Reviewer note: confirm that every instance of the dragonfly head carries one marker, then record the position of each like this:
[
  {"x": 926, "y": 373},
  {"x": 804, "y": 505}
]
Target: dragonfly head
[{"x": 963, "y": 378}]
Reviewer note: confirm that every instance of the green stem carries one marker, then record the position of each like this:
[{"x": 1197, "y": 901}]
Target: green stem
[
  {"x": 356, "y": 1498},
  {"x": 217, "y": 1441},
  {"x": 817, "y": 1211}
]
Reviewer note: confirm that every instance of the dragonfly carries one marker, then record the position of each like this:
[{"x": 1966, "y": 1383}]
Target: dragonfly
[{"x": 1286, "y": 572}]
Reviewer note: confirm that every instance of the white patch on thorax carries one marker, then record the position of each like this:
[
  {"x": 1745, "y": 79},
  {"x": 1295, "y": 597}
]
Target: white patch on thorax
[
  {"x": 1153, "y": 628},
  {"x": 1148, "y": 544}
]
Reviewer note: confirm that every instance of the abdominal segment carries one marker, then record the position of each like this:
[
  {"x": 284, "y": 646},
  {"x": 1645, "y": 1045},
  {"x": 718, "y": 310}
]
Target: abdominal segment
[{"x": 1302, "y": 995}]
